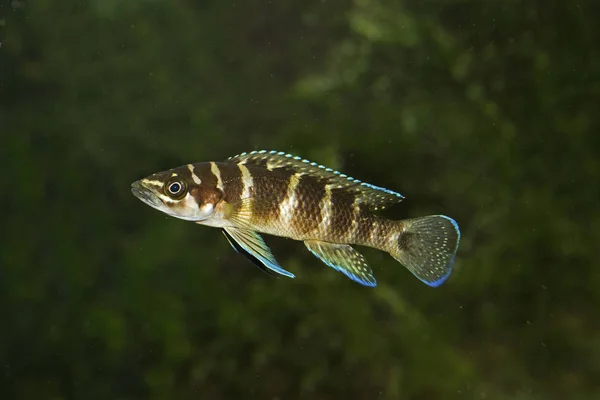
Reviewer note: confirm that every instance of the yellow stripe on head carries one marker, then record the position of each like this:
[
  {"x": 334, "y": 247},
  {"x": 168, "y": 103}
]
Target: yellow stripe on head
[{"x": 195, "y": 178}]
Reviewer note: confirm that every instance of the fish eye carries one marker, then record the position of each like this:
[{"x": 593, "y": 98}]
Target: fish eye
[{"x": 175, "y": 189}]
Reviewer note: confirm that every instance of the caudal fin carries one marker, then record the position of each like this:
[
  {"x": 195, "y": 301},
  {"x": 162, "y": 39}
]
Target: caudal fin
[{"x": 427, "y": 247}]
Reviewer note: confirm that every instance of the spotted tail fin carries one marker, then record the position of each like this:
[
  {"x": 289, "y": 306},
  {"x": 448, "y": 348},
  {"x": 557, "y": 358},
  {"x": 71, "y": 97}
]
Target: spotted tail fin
[{"x": 427, "y": 247}]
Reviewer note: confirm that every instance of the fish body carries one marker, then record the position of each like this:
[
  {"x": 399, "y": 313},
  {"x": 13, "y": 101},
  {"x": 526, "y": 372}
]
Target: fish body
[{"x": 278, "y": 194}]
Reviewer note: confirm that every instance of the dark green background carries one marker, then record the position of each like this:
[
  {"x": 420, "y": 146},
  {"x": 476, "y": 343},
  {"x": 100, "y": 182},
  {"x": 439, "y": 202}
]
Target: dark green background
[{"x": 486, "y": 111}]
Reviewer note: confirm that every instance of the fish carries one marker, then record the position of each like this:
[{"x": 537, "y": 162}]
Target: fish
[{"x": 276, "y": 193}]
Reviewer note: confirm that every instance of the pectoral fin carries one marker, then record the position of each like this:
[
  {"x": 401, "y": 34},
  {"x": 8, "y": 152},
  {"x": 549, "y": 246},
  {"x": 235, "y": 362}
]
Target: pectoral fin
[
  {"x": 238, "y": 249},
  {"x": 345, "y": 259},
  {"x": 251, "y": 244}
]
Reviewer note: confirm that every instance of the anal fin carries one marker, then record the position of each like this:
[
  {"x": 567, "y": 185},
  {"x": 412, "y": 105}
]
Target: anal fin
[
  {"x": 252, "y": 245},
  {"x": 343, "y": 258}
]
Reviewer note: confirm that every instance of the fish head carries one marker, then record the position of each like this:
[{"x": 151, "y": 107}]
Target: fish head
[{"x": 180, "y": 193}]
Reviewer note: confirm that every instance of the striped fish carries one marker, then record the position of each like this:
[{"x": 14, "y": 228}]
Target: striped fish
[{"x": 278, "y": 194}]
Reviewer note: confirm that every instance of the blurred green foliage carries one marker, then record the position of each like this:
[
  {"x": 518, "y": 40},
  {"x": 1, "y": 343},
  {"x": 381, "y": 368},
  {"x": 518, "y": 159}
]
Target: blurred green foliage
[{"x": 485, "y": 111}]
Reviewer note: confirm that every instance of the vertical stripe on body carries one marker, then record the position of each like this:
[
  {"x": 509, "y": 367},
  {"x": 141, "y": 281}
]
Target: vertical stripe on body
[
  {"x": 247, "y": 181},
  {"x": 289, "y": 204},
  {"x": 377, "y": 234},
  {"x": 393, "y": 239},
  {"x": 355, "y": 221},
  {"x": 214, "y": 168},
  {"x": 326, "y": 214},
  {"x": 384, "y": 234},
  {"x": 365, "y": 226}
]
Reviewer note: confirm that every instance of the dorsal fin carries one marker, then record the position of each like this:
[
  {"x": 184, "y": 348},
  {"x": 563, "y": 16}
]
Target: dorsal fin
[{"x": 374, "y": 197}]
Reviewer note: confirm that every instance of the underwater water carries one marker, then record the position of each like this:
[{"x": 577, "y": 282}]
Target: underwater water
[{"x": 482, "y": 111}]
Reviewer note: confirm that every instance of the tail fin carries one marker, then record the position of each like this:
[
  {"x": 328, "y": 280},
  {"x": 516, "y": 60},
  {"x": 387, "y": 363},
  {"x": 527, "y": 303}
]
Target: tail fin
[{"x": 427, "y": 247}]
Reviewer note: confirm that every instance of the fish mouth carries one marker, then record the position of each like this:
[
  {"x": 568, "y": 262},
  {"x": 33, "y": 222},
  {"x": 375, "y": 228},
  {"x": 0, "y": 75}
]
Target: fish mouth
[{"x": 144, "y": 194}]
